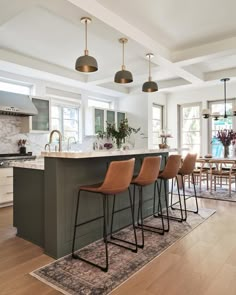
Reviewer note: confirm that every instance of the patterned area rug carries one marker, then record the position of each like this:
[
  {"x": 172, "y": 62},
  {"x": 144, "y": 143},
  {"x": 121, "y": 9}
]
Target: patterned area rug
[
  {"x": 221, "y": 193},
  {"x": 71, "y": 276}
]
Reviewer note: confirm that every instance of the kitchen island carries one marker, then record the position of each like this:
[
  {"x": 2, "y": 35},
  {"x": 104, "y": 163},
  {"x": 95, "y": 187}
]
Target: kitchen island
[{"x": 45, "y": 197}]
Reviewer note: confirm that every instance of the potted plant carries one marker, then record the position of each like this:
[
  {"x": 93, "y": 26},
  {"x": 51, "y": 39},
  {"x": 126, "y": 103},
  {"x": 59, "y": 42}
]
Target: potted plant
[
  {"x": 21, "y": 145},
  {"x": 120, "y": 133},
  {"x": 226, "y": 136}
]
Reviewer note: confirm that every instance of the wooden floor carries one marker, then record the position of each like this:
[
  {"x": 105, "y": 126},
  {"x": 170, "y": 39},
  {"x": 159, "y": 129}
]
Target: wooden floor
[{"x": 202, "y": 263}]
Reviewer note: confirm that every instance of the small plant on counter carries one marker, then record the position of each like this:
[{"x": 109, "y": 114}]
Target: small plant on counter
[
  {"x": 123, "y": 131},
  {"x": 21, "y": 142}
]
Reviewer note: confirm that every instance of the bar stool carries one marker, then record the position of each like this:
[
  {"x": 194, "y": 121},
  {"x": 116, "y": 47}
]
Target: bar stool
[
  {"x": 169, "y": 173},
  {"x": 187, "y": 169},
  {"x": 148, "y": 175},
  {"x": 117, "y": 180}
]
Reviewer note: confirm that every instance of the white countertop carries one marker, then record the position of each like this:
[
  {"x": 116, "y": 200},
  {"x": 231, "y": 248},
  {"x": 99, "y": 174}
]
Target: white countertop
[
  {"x": 37, "y": 164},
  {"x": 105, "y": 153}
]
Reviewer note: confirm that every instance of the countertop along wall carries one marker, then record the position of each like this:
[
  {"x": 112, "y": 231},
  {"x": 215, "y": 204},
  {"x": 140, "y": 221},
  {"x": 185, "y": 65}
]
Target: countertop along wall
[{"x": 200, "y": 95}]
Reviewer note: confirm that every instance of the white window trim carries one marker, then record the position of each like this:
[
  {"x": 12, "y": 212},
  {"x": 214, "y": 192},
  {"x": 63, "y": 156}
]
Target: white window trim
[
  {"x": 161, "y": 107},
  {"x": 180, "y": 137},
  {"x": 73, "y": 103},
  {"x": 221, "y": 101}
]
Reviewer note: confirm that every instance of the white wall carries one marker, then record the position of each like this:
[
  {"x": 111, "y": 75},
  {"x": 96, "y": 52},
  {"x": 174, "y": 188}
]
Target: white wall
[
  {"x": 200, "y": 95},
  {"x": 36, "y": 142},
  {"x": 139, "y": 113}
]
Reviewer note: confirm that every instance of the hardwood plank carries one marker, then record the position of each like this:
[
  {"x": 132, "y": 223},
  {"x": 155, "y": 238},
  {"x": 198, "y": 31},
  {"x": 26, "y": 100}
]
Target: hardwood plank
[{"x": 203, "y": 262}]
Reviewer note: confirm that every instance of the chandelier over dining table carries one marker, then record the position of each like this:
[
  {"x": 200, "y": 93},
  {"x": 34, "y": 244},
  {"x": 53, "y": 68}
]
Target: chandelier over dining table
[{"x": 216, "y": 115}]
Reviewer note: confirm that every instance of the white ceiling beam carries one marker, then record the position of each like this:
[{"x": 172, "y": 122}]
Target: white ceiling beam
[
  {"x": 217, "y": 75},
  {"x": 116, "y": 22},
  {"x": 29, "y": 67},
  {"x": 204, "y": 52}
]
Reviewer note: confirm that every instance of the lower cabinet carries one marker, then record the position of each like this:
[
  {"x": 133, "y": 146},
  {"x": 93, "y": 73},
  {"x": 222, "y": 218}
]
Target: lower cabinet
[{"x": 6, "y": 187}]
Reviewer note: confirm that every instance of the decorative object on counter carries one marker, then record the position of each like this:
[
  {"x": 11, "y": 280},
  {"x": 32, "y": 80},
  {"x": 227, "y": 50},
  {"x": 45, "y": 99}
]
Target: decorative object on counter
[
  {"x": 21, "y": 145},
  {"x": 120, "y": 134},
  {"x": 165, "y": 133},
  {"x": 76, "y": 277},
  {"x": 216, "y": 115},
  {"x": 86, "y": 63},
  {"x": 123, "y": 76},
  {"x": 150, "y": 86},
  {"x": 59, "y": 139},
  {"x": 226, "y": 137}
]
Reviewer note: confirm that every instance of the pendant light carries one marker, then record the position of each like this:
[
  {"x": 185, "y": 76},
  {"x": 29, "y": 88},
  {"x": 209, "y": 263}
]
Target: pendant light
[
  {"x": 150, "y": 86},
  {"x": 216, "y": 115},
  {"x": 123, "y": 76},
  {"x": 86, "y": 63}
]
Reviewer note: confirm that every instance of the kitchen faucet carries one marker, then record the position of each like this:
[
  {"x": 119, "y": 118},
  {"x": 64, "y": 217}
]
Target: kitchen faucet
[
  {"x": 59, "y": 138},
  {"x": 47, "y": 145},
  {"x": 68, "y": 142}
]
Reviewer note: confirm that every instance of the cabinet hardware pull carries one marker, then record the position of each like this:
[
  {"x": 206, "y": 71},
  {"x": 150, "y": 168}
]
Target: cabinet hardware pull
[
  {"x": 9, "y": 176},
  {"x": 9, "y": 193}
]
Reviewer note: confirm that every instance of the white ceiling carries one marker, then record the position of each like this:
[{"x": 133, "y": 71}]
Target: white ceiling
[{"x": 190, "y": 39}]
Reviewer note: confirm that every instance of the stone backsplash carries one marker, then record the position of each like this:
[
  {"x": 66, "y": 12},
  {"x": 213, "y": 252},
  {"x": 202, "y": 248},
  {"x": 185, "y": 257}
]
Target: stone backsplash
[{"x": 10, "y": 133}]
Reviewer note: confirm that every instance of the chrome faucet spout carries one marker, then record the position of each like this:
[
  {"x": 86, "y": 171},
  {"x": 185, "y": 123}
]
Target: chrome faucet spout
[
  {"x": 59, "y": 138},
  {"x": 47, "y": 146},
  {"x": 68, "y": 142}
]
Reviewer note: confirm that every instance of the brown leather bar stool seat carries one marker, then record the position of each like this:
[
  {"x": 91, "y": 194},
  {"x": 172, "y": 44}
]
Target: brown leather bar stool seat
[
  {"x": 117, "y": 180},
  {"x": 148, "y": 175},
  {"x": 187, "y": 169},
  {"x": 169, "y": 173}
]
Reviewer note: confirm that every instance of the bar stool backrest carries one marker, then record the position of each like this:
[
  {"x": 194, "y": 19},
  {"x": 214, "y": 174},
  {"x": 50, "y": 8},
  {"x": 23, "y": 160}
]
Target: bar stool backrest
[
  {"x": 149, "y": 171},
  {"x": 172, "y": 167},
  {"x": 118, "y": 177},
  {"x": 188, "y": 164}
]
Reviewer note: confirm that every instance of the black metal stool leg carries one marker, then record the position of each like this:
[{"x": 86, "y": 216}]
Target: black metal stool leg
[
  {"x": 167, "y": 207},
  {"x": 195, "y": 194},
  {"x": 105, "y": 230},
  {"x": 160, "y": 206},
  {"x": 75, "y": 227},
  {"x": 112, "y": 215},
  {"x": 76, "y": 256},
  {"x": 133, "y": 222},
  {"x": 185, "y": 207}
]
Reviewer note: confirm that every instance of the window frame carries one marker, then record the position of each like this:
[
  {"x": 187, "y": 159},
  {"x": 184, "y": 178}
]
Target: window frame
[
  {"x": 161, "y": 107},
  {"x": 15, "y": 83},
  {"x": 209, "y": 125},
  {"x": 67, "y": 104},
  {"x": 110, "y": 104},
  {"x": 180, "y": 118}
]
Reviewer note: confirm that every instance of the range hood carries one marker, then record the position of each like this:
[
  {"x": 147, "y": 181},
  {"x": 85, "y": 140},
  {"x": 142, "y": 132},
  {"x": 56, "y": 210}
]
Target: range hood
[{"x": 16, "y": 104}]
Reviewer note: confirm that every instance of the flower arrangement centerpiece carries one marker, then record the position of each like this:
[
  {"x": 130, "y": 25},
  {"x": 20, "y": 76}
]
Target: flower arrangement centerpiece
[
  {"x": 165, "y": 133},
  {"x": 120, "y": 133},
  {"x": 21, "y": 144},
  {"x": 226, "y": 137}
]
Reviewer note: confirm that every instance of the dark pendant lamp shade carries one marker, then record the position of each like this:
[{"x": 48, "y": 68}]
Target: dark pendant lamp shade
[
  {"x": 149, "y": 86},
  {"x": 123, "y": 76},
  {"x": 86, "y": 63}
]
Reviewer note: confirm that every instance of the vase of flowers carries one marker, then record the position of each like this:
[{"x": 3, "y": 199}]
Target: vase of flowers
[
  {"x": 164, "y": 135},
  {"x": 226, "y": 137},
  {"x": 119, "y": 134},
  {"x": 21, "y": 145}
]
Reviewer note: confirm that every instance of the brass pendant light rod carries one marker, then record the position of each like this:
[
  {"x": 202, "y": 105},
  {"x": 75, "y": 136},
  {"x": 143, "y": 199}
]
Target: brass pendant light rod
[
  {"x": 123, "y": 76},
  {"x": 86, "y": 20},
  {"x": 123, "y": 41},
  {"x": 86, "y": 63},
  {"x": 149, "y": 86}
]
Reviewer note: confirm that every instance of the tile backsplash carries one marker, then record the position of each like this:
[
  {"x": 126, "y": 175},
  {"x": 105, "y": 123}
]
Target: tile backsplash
[{"x": 10, "y": 133}]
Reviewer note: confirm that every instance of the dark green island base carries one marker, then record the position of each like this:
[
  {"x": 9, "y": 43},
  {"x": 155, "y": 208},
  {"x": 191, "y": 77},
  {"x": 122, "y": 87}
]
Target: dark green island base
[{"x": 45, "y": 200}]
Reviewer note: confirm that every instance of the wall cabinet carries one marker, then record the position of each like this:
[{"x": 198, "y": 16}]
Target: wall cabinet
[
  {"x": 95, "y": 119},
  {"x": 6, "y": 187},
  {"x": 41, "y": 122}
]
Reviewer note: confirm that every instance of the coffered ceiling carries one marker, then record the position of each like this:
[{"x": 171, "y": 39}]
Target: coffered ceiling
[{"x": 194, "y": 42}]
